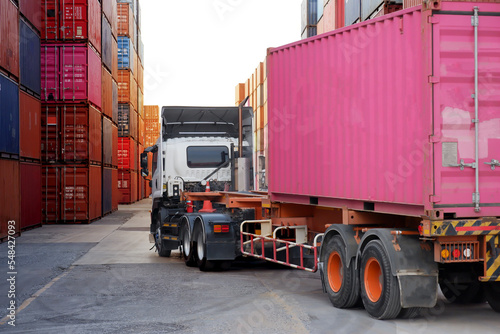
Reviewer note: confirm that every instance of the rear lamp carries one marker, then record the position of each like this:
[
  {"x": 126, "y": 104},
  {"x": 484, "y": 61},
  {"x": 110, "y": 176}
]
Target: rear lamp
[
  {"x": 445, "y": 253},
  {"x": 225, "y": 228},
  {"x": 456, "y": 252},
  {"x": 217, "y": 228}
]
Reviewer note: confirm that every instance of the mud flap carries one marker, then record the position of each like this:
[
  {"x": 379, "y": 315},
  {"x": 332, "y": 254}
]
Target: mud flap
[{"x": 417, "y": 291}]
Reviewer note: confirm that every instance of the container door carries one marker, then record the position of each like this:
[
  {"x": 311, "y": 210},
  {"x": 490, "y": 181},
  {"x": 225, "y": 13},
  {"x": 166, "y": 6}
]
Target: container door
[{"x": 459, "y": 190}]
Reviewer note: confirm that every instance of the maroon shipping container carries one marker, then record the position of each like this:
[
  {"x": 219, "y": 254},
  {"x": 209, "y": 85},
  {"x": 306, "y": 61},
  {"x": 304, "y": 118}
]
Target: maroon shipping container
[
  {"x": 32, "y": 11},
  {"x": 29, "y": 116},
  {"x": 71, "y": 134},
  {"x": 127, "y": 186},
  {"x": 9, "y": 38},
  {"x": 70, "y": 73},
  {"x": 71, "y": 194},
  {"x": 127, "y": 153},
  {"x": 31, "y": 195},
  {"x": 72, "y": 21},
  {"x": 116, "y": 193},
  {"x": 10, "y": 199}
]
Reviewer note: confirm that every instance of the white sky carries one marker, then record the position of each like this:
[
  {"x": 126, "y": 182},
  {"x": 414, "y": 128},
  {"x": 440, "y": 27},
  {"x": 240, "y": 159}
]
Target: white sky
[{"x": 196, "y": 51}]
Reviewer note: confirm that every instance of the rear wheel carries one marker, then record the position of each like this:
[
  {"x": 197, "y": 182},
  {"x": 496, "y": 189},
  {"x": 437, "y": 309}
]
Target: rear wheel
[
  {"x": 493, "y": 295},
  {"x": 410, "y": 313},
  {"x": 342, "y": 284},
  {"x": 464, "y": 292},
  {"x": 201, "y": 259},
  {"x": 159, "y": 242},
  {"x": 187, "y": 250},
  {"x": 379, "y": 288}
]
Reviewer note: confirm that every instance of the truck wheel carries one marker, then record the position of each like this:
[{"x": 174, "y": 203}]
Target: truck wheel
[
  {"x": 493, "y": 295},
  {"x": 187, "y": 250},
  {"x": 160, "y": 243},
  {"x": 342, "y": 283},
  {"x": 379, "y": 288},
  {"x": 410, "y": 313},
  {"x": 201, "y": 259}
]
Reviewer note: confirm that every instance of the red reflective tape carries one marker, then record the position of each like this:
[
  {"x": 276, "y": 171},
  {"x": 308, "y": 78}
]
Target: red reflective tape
[{"x": 477, "y": 228}]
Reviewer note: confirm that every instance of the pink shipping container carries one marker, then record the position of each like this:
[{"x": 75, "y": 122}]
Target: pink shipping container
[
  {"x": 379, "y": 116},
  {"x": 70, "y": 73}
]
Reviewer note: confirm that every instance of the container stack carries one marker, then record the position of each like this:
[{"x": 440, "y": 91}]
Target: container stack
[
  {"x": 20, "y": 167},
  {"x": 256, "y": 88},
  {"x": 310, "y": 17},
  {"x": 77, "y": 110},
  {"x": 130, "y": 102},
  {"x": 333, "y": 16},
  {"x": 151, "y": 134}
]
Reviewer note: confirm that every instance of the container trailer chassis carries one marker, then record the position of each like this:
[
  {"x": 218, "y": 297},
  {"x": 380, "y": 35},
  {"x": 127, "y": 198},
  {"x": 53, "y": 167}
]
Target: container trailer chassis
[{"x": 393, "y": 265}]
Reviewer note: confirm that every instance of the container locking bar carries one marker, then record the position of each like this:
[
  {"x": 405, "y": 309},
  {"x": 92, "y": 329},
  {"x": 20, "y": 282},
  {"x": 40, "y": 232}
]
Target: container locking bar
[
  {"x": 475, "y": 23},
  {"x": 494, "y": 163}
]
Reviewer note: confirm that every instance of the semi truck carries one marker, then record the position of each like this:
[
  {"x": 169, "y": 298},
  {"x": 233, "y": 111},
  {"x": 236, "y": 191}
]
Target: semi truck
[{"x": 384, "y": 173}]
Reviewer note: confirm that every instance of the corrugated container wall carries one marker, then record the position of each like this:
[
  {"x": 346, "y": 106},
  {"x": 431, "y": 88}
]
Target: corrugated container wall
[
  {"x": 70, "y": 73},
  {"x": 9, "y": 38},
  {"x": 9, "y": 121},
  {"x": 10, "y": 197},
  {"x": 30, "y": 126},
  {"x": 361, "y": 135},
  {"x": 31, "y": 195},
  {"x": 107, "y": 190},
  {"x": 32, "y": 11},
  {"x": 107, "y": 49},
  {"x": 29, "y": 45}
]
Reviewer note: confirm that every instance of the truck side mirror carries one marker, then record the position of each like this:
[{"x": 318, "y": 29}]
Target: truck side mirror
[
  {"x": 144, "y": 172},
  {"x": 144, "y": 162}
]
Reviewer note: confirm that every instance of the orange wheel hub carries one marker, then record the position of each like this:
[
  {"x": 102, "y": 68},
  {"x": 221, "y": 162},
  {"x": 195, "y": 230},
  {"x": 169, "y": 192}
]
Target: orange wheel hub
[
  {"x": 373, "y": 279},
  {"x": 335, "y": 271}
]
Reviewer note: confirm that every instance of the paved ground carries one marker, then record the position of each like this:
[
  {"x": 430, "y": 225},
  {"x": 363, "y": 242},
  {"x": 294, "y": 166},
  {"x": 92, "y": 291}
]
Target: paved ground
[{"x": 102, "y": 278}]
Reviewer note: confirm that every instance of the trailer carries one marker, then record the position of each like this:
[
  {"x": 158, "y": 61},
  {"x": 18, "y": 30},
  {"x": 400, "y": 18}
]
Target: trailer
[{"x": 384, "y": 149}]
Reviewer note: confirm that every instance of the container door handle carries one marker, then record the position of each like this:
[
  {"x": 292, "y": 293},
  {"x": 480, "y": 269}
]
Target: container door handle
[
  {"x": 494, "y": 163},
  {"x": 462, "y": 165}
]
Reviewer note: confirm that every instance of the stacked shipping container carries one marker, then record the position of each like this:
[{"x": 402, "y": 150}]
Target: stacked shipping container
[
  {"x": 20, "y": 169},
  {"x": 130, "y": 60},
  {"x": 79, "y": 110},
  {"x": 151, "y": 133},
  {"x": 256, "y": 88}
]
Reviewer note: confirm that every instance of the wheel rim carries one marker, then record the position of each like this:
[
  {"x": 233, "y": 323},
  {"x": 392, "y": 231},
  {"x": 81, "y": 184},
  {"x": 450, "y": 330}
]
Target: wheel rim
[
  {"x": 200, "y": 248},
  {"x": 186, "y": 245},
  {"x": 373, "y": 279},
  {"x": 158, "y": 238},
  {"x": 335, "y": 271}
]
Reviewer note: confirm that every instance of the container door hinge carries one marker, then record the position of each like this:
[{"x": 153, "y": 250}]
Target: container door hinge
[
  {"x": 433, "y": 19},
  {"x": 434, "y": 198},
  {"x": 433, "y": 79}
]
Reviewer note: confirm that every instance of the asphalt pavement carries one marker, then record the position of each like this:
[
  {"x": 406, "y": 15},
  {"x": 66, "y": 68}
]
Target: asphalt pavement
[{"x": 103, "y": 278}]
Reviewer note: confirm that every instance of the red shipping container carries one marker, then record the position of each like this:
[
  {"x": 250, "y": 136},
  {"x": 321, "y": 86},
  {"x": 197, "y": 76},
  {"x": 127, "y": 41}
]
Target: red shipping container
[
  {"x": 10, "y": 197},
  {"x": 71, "y": 194},
  {"x": 32, "y": 11},
  {"x": 127, "y": 154},
  {"x": 29, "y": 116},
  {"x": 127, "y": 88},
  {"x": 116, "y": 194},
  {"x": 72, "y": 21},
  {"x": 9, "y": 38},
  {"x": 31, "y": 195},
  {"x": 107, "y": 93},
  {"x": 141, "y": 130},
  {"x": 71, "y": 133},
  {"x": 70, "y": 73},
  {"x": 114, "y": 69},
  {"x": 127, "y": 186}
]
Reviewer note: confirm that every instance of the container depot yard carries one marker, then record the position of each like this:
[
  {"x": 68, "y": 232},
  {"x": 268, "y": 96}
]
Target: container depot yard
[{"x": 103, "y": 278}]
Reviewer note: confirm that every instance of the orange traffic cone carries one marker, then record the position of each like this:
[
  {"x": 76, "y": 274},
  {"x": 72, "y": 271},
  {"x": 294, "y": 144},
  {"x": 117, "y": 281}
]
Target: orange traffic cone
[{"x": 207, "y": 205}]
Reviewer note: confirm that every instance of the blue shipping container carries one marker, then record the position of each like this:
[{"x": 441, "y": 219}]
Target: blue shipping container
[
  {"x": 107, "y": 190},
  {"x": 106, "y": 40},
  {"x": 29, "y": 53},
  {"x": 125, "y": 59},
  {"x": 9, "y": 116}
]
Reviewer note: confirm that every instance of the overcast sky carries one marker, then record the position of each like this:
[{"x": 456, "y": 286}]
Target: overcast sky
[{"x": 196, "y": 51}]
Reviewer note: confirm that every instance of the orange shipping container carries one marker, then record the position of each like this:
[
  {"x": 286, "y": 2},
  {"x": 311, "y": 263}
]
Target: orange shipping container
[
  {"x": 125, "y": 20},
  {"x": 260, "y": 75},
  {"x": 240, "y": 93},
  {"x": 152, "y": 112},
  {"x": 142, "y": 131},
  {"x": 140, "y": 76},
  {"x": 114, "y": 67},
  {"x": 107, "y": 93},
  {"x": 136, "y": 64},
  {"x": 9, "y": 37},
  {"x": 127, "y": 88}
]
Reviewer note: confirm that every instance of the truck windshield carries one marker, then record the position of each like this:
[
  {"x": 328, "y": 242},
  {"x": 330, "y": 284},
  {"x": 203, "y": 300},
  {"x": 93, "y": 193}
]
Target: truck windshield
[{"x": 206, "y": 156}]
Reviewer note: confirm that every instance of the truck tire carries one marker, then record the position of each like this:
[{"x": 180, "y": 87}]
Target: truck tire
[
  {"x": 200, "y": 251},
  {"x": 379, "y": 288},
  {"x": 463, "y": 293},
  {"x": 159, "y": 242},
  {"x": 493, "y": 295},
  {"x": 410, "y": 313},
  {"x": 342, "y": 283},
  {"x": 187, "y": 249}
]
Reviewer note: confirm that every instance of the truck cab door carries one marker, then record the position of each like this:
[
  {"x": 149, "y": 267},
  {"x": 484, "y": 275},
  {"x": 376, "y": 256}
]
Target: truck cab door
[{"x": 156, "y": 176}]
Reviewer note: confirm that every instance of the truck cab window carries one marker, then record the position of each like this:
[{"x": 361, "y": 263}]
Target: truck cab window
[
  {"x": 155, "y": 162},
  {"x": 207, "y": 156}
]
